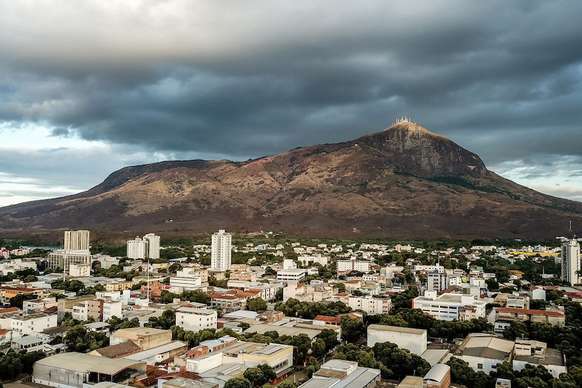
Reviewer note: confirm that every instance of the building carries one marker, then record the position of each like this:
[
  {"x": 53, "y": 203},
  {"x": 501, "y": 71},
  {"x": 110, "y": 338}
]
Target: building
[
  {"x": 30, "y": 324},
  {"x": 147, "y": 247},
  {"x": 413, "y": 340},
  {"x": 186, "y": 279},
  {"x": 196, "y": 319},
  {"x": 347, "y": 266},
  {"x": 437, "y": 281},
  {"x": 508, "y": 314},
  {"x": 38, "y": 305},
  {"x": 112, "y": 308},
  {"x": 370, "y": 305},
  {"x": 211, "y": 356},
  {"x": 571, "y": 262},
  {"x": 79, "y": 270},
  {"x": 62, "y": 259},
  {"x": 68, "y": 370},
  {"x": 483, "y": 352},
  {"x": 342, "y": 373},
  {"x": 450, "y": 307},
  {"x": 144, "y": 337},
  {"x": 76, "y": 240},
  {"x": 221, "y": 250},
  {"x": 439, "y": 376},
  {"x": 291, "y": 274},
  {"x": 528, "y": 352}
]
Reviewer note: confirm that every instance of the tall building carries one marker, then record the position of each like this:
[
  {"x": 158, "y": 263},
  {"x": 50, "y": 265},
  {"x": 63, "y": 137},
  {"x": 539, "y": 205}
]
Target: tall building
[
  {"x": 147, "y": 247},
  {"x": 571, "y": 262},
  {"x": 76, "y": 240},
  {"x": 153, "y": 246},
  {"x": 76, "y": 251},
  {"x": 220, "y": 257}
]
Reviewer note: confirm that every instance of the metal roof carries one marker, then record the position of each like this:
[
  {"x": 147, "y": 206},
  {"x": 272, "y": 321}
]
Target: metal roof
[{"x": 81, "y": 362}]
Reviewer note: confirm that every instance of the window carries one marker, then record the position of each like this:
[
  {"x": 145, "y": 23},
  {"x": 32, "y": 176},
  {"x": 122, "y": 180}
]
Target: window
[{"x": 479, "y": 366}]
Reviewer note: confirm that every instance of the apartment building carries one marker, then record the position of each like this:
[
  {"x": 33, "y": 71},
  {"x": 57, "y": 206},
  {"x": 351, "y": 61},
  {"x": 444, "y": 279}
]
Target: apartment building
[
  {"x": 30, "y": 324},
  {"x": 347, "y": 266},
  {"x": 196, "y": 319},
  {"x": 449, "y": 307},
  {"x": 370, "y": 305}
]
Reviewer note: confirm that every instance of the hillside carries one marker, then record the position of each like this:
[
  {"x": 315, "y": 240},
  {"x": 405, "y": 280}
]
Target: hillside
[{"x": 404, "y": 182}]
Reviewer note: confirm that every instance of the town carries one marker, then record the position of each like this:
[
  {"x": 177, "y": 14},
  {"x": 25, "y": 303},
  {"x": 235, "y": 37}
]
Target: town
[{"x": 232, "y": 311}]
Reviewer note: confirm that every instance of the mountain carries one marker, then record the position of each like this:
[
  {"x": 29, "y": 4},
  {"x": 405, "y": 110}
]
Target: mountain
[{"x": 404, "y": 182}]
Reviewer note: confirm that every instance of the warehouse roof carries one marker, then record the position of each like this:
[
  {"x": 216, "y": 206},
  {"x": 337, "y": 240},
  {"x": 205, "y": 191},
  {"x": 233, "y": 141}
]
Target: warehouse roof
[{"x": 81, "y": 362}]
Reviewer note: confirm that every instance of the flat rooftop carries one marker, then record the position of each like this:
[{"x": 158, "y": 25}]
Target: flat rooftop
[
  {"x": 82, "y": 362},
  {"x": 397, "y": 329}
]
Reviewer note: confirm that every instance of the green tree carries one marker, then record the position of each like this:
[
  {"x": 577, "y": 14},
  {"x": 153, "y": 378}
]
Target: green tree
[
  {"x": 353, "y": 330},
  {"x": 256, "y": 304},
  {"x": 238, "y": 383}
]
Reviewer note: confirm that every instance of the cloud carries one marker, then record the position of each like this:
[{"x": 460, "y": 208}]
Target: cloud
[{"x": 242, "y": 79}]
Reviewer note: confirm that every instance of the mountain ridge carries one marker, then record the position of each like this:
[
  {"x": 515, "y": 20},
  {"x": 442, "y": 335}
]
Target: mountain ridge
[{"x": 402, "y": 182}]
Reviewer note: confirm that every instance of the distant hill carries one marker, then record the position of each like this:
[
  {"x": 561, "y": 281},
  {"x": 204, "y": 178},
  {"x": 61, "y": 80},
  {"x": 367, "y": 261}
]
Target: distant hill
[{"x": 404, "y": 182}]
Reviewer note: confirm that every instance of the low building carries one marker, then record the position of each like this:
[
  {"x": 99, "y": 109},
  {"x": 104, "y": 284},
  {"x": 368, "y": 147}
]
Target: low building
[
  {"x": 439, "y": 376},
  {"x": 413, "y": 340},
  {"x": 30, "y": 324},
  {"x": 144, "y": 337},
  {"x": 75, "y": 370},
  {"x": 529, "y": 352},
  {"x": 449, "y": 306},
  {"x": 342, "y": 373},
  {"x": 196, "y": 319},
  {"x": 370, "y": 305},
  {"x": 347, "y": 266},
  {"x": 212, "y": 355},
  {"x": 291, "y": 274},
  {"x": 80, "y": 270},
  {"x": 552, "y": 317},
  {"x": 483, "y": 352}
]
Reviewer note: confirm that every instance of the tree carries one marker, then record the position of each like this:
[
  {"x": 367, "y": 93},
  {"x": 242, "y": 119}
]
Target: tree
[
  {"x": 400, "y": 362},
  {"x": 238, "y": 383},
  {"x": 78, "y": 339},
  {"x": 330, "y": 339},
  {"x": 19, "y": 299},
  {"x": 260, "y": 375},
  {"x": 256, "y": 304},
  {"x": 353, "y": 330},
  {"x": 318, "y": 348}
]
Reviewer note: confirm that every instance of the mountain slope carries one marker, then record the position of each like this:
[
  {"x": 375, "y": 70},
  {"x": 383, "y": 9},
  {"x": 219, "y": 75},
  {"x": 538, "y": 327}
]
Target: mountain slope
[{"x": 404, "y": 182}]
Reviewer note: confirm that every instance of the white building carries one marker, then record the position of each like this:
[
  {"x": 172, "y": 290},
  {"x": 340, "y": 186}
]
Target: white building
[
  {"x": 529, "y": 352},
  {"x": 112, "y": 308},
  {"x": 32, "y": 323},
  {"x": 196, "y": 319},
  {"x": 437, "y": 281},
  {"x": 12, "y": 266},
  {"x": 413, "y": 340},
  {"x": 291, "y": 274},
  {"x": 221, "y": 250},
  {"x": 147, "y": 247},
  {"x": 483, "y": 352},
  {"x": 315, "y": 259},
  {"x": 152, "y": 246},
  {"x": 76, "y": 240},
  {"x": 571, "y": 262},
  {"x": 80, "y": 270},
  {"x": 289, "y": 264},
  {"x": 347, "y": 266},
  {"x": 187, "y": 279},
  {"x": 370, "y": 305},
  {"x": 449, "y": 307}
]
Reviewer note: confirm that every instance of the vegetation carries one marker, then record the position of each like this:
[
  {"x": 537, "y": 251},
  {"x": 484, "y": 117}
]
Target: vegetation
[
  {"x": 307, "y": 310},
  {"x": 238, "y": 382},
  {"x": 79, "y": 339},
  {"x": 260, "y": 375},
  {"x": 256, "y": 304},
  {"x": 13, "y": 364}
]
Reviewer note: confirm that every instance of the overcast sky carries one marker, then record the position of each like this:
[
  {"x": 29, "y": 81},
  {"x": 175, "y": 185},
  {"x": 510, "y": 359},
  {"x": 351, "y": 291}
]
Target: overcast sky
[{"x": 87, "y": 87}]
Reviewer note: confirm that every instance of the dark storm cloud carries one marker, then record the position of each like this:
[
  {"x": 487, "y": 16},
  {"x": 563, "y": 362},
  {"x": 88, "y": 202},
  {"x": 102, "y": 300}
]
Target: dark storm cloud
[{"x": 244, "y": 79}]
